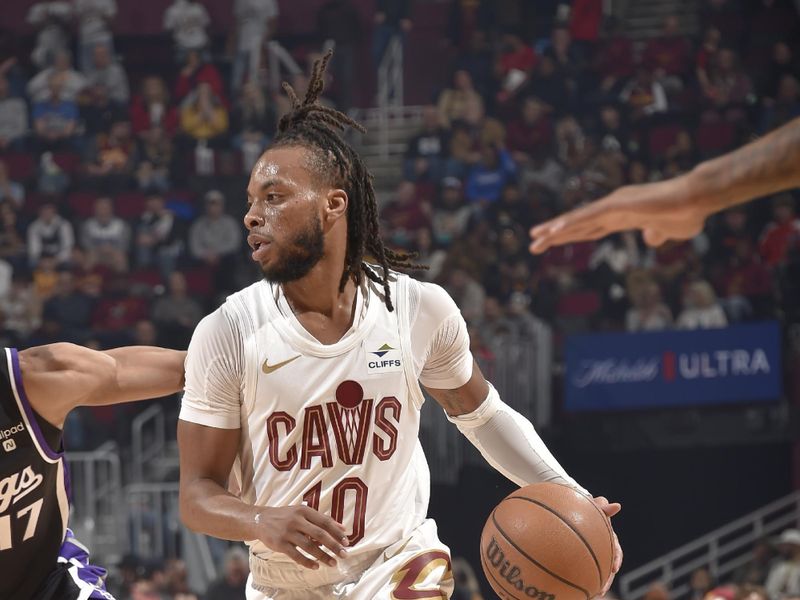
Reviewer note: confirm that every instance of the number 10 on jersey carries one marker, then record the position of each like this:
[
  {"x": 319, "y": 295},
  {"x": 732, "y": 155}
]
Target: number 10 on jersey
[{"x": 349, "y": 487}]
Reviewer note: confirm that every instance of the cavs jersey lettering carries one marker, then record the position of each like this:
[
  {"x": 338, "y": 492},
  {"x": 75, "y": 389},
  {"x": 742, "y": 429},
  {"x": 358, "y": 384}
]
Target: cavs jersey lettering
[
  {"x": 335, "y": 426},
  {"x": 33, "y": 492}
]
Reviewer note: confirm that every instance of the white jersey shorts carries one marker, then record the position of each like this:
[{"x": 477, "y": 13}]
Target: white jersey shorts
[{"x": 415, "y": 567}]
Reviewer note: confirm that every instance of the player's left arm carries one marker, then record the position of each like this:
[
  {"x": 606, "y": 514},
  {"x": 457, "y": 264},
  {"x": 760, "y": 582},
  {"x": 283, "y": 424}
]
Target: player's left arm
[{"x": 59, "y": 377}]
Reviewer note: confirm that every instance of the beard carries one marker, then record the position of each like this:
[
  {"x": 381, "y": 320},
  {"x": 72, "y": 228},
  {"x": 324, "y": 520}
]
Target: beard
[{"x": 299, "y": 255}]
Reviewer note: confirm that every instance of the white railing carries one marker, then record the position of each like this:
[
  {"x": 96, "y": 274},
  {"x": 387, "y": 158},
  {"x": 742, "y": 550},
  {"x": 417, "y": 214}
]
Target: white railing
[
  {"x": 390, "y": 88},
  {"x": 722, "y": 551},
  {"x": 279, "y": 57},
  {"x": 148, "y": 437},
  {"x": 96, "y": 483},
  {"x": 156, "y": 530}
]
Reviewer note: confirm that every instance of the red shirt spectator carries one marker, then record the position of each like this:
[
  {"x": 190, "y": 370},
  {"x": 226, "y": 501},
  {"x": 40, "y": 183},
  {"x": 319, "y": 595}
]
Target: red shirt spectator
[
  {"x": 614, "y": 60},
  {"x": 196, "y": 72},
  {"x": 669, "y": 54},
  {"x": 518, "y": 55},
  {"x": 585, "y": 18},
  {"x": 779, "y": 235},
  {"x": 152, "y": 108},
  {"x": 118, "y": 310},
  {"x": 532, "y": 133}
]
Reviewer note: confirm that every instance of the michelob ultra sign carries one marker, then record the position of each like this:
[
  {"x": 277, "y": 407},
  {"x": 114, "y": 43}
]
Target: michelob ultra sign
[{"x": 620, "y": 371}]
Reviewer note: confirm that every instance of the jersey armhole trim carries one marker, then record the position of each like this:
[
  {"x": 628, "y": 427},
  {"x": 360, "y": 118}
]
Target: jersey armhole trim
[{"x": 26, "y": 410}]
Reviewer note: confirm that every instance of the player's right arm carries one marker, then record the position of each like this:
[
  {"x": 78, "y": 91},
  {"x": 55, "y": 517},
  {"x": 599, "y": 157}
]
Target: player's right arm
[
  {"x": 209, "y": 436},
  {"x": 677, "y": 208}
]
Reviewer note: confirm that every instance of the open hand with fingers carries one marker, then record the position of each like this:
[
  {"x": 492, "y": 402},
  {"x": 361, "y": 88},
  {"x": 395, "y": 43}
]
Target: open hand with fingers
[
  {"x": 289, "y": 529},
  {"x": 662, "y": 211},
  {"x": 610, "y": 509}
]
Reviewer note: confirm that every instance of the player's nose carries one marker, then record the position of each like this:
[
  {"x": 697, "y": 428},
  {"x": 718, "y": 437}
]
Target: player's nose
[{"x": 253, "y": 220}]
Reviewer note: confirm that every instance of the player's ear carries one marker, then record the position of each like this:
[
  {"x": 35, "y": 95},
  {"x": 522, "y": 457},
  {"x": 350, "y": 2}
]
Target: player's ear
[{"x": 336, "y": 204}]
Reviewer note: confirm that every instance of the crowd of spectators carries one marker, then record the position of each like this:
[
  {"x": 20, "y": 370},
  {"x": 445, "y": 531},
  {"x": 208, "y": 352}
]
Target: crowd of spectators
[
  {"x": 120, "y": 192},
  {"x": 772, "y": 573}
]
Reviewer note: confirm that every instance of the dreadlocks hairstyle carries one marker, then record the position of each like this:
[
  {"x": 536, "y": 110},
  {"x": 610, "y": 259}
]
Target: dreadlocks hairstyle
[{"x": 319, "y": 128}]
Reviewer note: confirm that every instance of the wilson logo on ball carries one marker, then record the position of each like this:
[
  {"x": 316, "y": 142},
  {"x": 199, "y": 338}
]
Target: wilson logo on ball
[{"x": 510, "y": 573}]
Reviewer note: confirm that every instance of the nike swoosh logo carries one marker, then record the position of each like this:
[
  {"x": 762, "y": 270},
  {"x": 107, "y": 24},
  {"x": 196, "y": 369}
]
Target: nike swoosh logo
[{"x": 268, "y": 368}]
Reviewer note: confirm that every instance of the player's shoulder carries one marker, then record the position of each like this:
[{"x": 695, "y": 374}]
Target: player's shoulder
[
  {"x": 233, "y": 318},
  {"x": 433, "y": 303}
]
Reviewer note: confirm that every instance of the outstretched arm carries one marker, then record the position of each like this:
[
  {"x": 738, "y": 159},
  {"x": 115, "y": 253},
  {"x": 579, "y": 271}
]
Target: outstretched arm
[
  {"x": 59, "y": 377},
  {"x": 677, "y": 208},
  {"x": 509, "y": 442}
]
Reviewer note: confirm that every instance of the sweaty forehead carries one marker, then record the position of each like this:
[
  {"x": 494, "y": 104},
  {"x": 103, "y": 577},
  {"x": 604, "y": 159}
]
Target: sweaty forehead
[{"x": 296, "y": 164}]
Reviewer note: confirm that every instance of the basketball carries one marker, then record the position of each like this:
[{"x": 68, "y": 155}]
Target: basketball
[{"x": 547, "y": 541}]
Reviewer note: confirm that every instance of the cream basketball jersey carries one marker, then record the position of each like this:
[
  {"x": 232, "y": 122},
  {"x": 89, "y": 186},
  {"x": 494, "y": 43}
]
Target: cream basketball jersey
[{"x": 335, "y": 426}]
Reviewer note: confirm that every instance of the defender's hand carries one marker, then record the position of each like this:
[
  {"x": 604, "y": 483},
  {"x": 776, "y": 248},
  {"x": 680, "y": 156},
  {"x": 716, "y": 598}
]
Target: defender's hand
[
  {"x": 289, "y": 529},
  {"x": 662, "y": 211},
  {"x": 610, "y": 509}
]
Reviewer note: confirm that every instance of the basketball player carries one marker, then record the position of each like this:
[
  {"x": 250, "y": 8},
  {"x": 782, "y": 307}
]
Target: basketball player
[
  {"x": 676, "y": 209},
  {"x": 306, "y": 384},
  {"x": 39, "y": 558}
]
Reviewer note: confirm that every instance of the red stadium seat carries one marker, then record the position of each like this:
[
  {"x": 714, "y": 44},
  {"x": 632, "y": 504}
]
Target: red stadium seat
[
  {"x": 129, "y": 205},
  {"x": 715, "y": 137},
  {"x": 199, "y": 281},
  {"x": 148, "y": 277},
  {"x": 579, "y": 304},
  {"x": 661, "y": 138},
  {"x": 20, "y": 166},
  {"x": 82, "y": 203},
  {"x": 68, "y": 161}
]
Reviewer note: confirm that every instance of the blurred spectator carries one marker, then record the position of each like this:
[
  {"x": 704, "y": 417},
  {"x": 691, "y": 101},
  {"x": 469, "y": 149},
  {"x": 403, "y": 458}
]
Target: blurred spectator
[
  {"x": 21, "y": 307},
  {"x": 145, "y": 333},
  {"x": 786, "y": 105},
  {"x": 450, "y": 215},
  {"x": 700, "y": 583},
  {"x": 782, "y": 233},
  {"x": 105, "y": 235},
  {"x": 428, "y": 254},
  {"x": 566, "y": 57},
  {"x": 112, "y": 158},
  {"x": 106, "y": 72},
  {"x": 203, "y": 116},
  {"x": 707, "y": 56},
  {"x": 158, "y": 242},
  {"x": 648, "y": 312},
  {"x": 783, "y": 63},
  {"x": 144, "y": 589},
  {"x": 51, "y": 19},
  {"x": 467, "y": 293},
  {"x": 510, "y": 210},
  {"x": 487, "y": 178},
  {"x": 197, "y": 70},
  {"x": 117, "y": 312},
  {"x": 156, "y": 152},
  {"x": 70, "y": 308},
  {"x": 338, "y": 22},
  {"x": 55, "y": 121},
  {"x": 613, "y": 62},
  {"x": 726, "y": 16},
  {"x": 215, "y": 239},
  {"x": 550, "y": 84},
  {"x": 783, "y": 579},
  {"x": 177, "y": 585},
  {"x": 668, "y": 56},
  {"x": 45, "y": 277},
  {"x": 99, "y": 112},
  {"x": 467, "y": 586},
  {"x": 426, "y": 151},
  {"x": 50, "y": 235},
  {"x": 187, "y": 20},
  {"x": 12, "y": 238},
  {"x": 13, "y": 119},
  {"x": 751, "y": 592},
  {"x": 515, "y": 64},
  {"x": 253, "y": 123},
  {"x": 10, "y": 191},
  {"x": 729, "y": 86},
  {"x": 72, "y": 82},
  {"x": 231, "y": 584},
  {"x": 531, "y": 133},
  {"x": 94, "y": 18},
  {"x": 151, "y": 108},
  {"x": 392, "y": 18},
  {"x": 584, "y": 22},
  {"x": 644, "y": 95},
  {"x": 494, "y": 323},
  {"x": 176, "y": 313},
  {"x": 657, "y": 591},
  {"x": 755, "y": 571},
  {"x": 256, "y": 23},
  {"x": 405, "y": 213},
  {"x": 461, "y": 99},
  {"x": 701, "y": 310}
]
